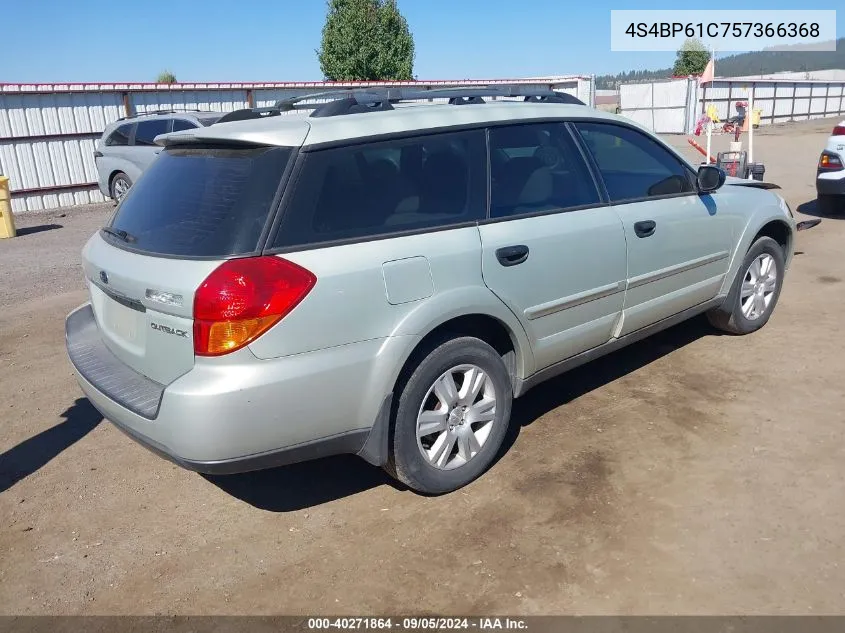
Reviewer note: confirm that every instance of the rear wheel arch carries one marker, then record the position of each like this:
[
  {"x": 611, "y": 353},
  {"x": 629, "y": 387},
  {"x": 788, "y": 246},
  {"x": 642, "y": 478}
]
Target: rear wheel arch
[
  {"x": 461, "y": 308},
  {"x": 485, "y": 327}
]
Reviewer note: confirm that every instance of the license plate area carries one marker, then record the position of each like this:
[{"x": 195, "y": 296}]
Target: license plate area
[{"x": 124, "y": 325}]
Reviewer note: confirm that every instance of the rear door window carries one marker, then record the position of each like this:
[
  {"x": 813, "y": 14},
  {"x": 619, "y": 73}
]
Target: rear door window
[
  {"x": 387, "y": 187},
  {"x": 120, "y": 136},
  {"x": 148, "y": 130},
  {"x": 181, "y": 124},
  {"x": 201, "y": 201},
  {"x": 537, "y": 167}
]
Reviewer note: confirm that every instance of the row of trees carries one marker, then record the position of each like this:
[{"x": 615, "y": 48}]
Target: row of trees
[
  {"x": 691, "y": 59},
  {"x": 754, "y": 63}
]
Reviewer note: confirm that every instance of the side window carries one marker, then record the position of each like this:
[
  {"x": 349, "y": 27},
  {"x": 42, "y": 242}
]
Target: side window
[
  {"x": 182, "y": 124},
  {"x": 385, "y": 187},
  {"x": 537, "y": 167},
  {"x": 120, "y": 136},
  {"x": 148, "y": 130},
  {"x": 632, "y": 165}
]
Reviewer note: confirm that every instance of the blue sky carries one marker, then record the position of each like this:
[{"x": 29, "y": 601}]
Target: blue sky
[{"x": 275, "y": 40}]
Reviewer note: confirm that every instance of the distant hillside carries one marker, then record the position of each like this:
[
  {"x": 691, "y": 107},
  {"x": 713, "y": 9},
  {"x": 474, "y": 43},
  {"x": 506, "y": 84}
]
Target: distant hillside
[{"x": 756, "y": 63}]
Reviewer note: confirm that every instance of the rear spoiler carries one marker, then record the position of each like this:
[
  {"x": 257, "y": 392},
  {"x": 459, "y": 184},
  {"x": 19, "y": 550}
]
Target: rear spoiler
[
  {"x": 173, "y": 138},
  {"x": 186, "y": 138},
  {"x": 287, "y": 132}
]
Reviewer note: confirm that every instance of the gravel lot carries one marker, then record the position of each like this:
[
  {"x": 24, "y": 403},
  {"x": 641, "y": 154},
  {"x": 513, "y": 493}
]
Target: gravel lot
[{"x": 691, "y": 473}]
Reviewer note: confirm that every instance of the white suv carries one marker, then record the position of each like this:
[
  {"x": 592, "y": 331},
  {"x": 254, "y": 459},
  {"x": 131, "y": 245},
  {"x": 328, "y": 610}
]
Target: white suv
[
  {"x": 127, "y": 146},
  {"x": 830, "y": 177}
]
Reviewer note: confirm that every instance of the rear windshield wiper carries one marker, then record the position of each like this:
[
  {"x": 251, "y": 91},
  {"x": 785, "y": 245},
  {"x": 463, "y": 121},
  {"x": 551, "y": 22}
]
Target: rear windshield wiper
[{"x": 119, "y": 233}]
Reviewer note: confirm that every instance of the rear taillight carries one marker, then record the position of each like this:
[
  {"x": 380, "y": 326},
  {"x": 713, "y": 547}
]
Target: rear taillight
[
  {"x": 839, "y": 130},
  {"x": 242, "y": 299},
  {"x": 830, "y": 161}
]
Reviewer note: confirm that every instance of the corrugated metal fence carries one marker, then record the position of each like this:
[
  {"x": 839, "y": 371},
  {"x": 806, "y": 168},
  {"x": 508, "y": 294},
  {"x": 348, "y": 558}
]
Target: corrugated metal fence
[
  {"x": 663, "y": 107},
  {"x": 667, "y": 106},
  {"x": 48, "y": 132}
]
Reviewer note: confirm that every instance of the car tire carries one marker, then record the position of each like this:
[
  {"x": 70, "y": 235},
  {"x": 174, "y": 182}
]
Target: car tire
[
  {"x": 831, "y": 205},
  {"x": 120, "y": 185},
  {"x": 467, "y": 425},
  {"x": 755, "y": 291}
]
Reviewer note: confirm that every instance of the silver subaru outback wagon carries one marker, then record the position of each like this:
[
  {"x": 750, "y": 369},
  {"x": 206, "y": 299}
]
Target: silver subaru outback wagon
[{"x": 383, "y": 277}]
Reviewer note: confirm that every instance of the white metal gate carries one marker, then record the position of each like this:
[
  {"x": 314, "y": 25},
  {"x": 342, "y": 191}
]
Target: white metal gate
[
  {"x": 673, "y": 106},
  {"x": 662, "y": 106}
]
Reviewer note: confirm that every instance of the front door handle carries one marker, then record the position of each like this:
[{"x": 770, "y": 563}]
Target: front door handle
[
  {"x": 512, "y": 255},
  {"x": 645, "y": 228}
]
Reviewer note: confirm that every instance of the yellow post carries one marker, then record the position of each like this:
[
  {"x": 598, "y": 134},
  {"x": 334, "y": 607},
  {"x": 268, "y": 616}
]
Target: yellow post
[{"x": 7, "y": 220}]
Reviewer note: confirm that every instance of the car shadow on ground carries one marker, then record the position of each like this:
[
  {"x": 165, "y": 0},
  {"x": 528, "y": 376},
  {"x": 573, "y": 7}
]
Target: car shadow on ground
[
  {"x": 582, "y": 380},
  {"x": 30, "y": 230},
  {"x": 30, "y": 455},
  {"x": 304, "y": 485},
  {"x": 308, "y": 484},
  {"x": 812, "y": 208}
]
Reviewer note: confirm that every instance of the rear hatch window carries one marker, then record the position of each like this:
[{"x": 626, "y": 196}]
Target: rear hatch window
[{"x": 209, "y": 202}]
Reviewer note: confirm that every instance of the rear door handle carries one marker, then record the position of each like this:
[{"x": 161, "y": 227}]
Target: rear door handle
[
  {"x": 512, "y": 255},
  {"x": 645, "y": 228}
]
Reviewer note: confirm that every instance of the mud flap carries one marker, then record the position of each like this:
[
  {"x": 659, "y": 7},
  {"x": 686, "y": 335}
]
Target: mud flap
[{"x": 375, "y": 450}]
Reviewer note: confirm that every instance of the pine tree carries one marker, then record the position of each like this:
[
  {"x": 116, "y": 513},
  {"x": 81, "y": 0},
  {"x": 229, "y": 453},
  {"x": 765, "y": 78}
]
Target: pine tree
[{"x": 366, "y": 40}]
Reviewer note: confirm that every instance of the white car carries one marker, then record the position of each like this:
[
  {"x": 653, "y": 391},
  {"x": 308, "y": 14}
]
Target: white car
[
  {"x": 830, "y": 176},
  {"x": 126, "y": 147}
]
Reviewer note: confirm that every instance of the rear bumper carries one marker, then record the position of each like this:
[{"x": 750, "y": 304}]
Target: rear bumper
[
  {"x": 97, "y": 365},
  {"x": 831, "y": 183},
  {"x": 237, "y": 414},
  {"x": 351, "y": 442}
]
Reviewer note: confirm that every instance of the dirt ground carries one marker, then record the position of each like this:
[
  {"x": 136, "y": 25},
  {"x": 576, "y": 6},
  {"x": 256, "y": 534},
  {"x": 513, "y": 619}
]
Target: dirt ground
[{"x": 689, "y": 474}]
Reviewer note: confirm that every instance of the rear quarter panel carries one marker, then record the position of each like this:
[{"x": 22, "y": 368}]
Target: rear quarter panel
[
  {"x": 114, "y": 160},
  {"x": 362, "y": 293}
]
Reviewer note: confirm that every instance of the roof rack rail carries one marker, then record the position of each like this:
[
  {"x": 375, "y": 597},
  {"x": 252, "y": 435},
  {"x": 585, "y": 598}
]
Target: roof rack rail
[
  {"x": 370, "y": 100},
  {"x": 249, "y": 113},
  {"x": 166, "y": 111},
  {"x": 355, "y": 101},
  {"x": 466, "y": 100}
]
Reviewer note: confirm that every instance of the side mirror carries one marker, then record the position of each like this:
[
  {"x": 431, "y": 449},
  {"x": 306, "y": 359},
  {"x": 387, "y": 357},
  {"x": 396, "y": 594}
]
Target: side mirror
[{"x": 710, "y": 178}]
